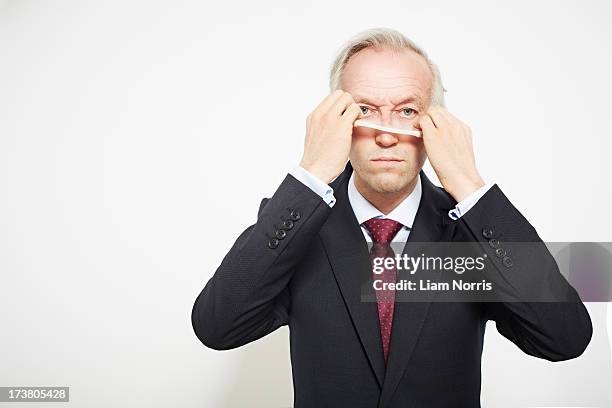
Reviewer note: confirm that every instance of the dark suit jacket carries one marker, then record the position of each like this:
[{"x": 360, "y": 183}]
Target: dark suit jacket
[{"x": 311, "y": 280}]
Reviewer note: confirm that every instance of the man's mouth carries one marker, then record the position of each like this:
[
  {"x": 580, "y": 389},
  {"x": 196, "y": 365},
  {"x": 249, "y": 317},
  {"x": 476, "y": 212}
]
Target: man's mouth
[{"x": 387, "y": 159}]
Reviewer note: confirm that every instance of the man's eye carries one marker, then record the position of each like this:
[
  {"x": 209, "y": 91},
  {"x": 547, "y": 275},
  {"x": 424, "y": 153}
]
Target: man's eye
[
  {"x": 364, "y": 110},
  {"x": 408, "y": 111}
]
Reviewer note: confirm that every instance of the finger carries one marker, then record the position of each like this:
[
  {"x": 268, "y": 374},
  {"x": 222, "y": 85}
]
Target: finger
[
  {"x": 427, "y": 126},
  {"x": 351, "y": 114},
  {"x": 465, "y": 130},
  {"x": 449, "y": 116},
  {"x": 451, "y": 119},
  {"x": 329, "y": 101},
  {"x": 342, "y": 104},
  {"x": 437, "y": 117}
]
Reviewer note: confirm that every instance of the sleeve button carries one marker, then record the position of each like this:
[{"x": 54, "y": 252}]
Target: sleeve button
[
  {"x": 295, "y": 215},
  {"x": 280, "y": 234},
  {"x": 507, "y": 261},
  {"x": 273, "y": 243},
  {"x": 500, "y": 252},
  {"x": 487, "y": 232},
  {"x": 494, "y": 243},
  {"x": 287, "y": 225}
]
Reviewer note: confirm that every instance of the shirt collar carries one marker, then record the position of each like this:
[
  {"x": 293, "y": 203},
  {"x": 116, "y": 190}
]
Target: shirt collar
[{"x": 404, "y": 213}]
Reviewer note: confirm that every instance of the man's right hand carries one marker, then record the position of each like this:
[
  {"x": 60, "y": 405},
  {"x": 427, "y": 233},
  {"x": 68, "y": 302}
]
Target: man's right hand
[{"x": 329, "y": 130}]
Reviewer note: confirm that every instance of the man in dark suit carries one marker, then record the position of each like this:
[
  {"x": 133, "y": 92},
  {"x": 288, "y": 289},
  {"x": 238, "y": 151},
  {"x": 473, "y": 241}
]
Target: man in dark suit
[{"x": 306, "y": 261}]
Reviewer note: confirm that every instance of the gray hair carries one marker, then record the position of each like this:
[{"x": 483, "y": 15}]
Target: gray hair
[{"x": 381, "y": 38}]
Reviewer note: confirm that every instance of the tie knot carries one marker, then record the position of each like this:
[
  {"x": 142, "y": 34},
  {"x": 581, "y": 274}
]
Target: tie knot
[{"x": 382, "y": 230}]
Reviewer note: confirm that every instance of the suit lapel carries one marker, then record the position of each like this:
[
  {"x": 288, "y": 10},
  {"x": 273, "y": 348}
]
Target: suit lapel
[
  {"x": 348, "y": 255},
  {"x": 431, "y": 224}
]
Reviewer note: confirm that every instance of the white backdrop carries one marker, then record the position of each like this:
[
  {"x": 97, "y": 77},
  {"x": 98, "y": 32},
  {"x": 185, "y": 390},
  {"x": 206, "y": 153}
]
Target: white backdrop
[{"x": 132, "y": 154}]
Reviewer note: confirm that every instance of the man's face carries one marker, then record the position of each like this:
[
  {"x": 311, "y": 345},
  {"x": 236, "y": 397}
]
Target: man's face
[{"x": 393, "y": 85}]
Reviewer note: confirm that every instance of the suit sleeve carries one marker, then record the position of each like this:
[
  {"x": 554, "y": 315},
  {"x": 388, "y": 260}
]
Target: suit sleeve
[
  {"x": 538, "y": 310},
  {"x": 248, "y": 296}
]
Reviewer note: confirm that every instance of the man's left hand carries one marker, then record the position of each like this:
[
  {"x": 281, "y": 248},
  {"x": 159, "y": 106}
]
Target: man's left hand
[{"x": 448, "y": 143}]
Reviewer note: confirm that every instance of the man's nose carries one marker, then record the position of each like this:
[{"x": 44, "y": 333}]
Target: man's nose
[{"x": 386, "y": 139}]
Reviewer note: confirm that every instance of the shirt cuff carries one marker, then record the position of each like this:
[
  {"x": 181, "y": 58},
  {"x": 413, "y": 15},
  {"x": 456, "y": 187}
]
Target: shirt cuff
[
  {"x": 315, "y": 184},
  {"x": 468, "y": 202}
]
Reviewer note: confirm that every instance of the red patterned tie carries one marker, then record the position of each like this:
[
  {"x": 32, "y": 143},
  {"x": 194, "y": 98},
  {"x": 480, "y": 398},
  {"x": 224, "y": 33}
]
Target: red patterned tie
[{"x": 382, "y": 232}]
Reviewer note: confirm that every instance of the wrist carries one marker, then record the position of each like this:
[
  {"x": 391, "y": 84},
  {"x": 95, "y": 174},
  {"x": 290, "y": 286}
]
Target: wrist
[
  {"x": 322, "y": 173},
  {"x": 461, "y": 188}
]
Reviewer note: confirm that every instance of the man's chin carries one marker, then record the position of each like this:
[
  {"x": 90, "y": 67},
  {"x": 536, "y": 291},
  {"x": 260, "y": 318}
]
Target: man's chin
[{"x": 387, "y": 182}]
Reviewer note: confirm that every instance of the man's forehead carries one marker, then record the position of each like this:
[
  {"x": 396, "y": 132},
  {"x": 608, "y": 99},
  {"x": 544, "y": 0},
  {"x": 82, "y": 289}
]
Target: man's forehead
[
  {"x": 386, "y": 76},
  {"x": 396, "y": 92}
]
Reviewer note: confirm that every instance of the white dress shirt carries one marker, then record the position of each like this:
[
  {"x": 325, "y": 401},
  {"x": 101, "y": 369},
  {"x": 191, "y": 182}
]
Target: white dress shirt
[{"x": 404, "y": 213}]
